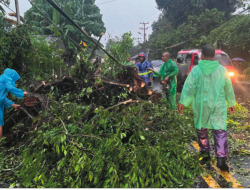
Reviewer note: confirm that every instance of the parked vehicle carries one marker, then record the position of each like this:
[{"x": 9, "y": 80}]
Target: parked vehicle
[
  {"x": 156, "y": 64},
  {"x": 187, "y": 59}
]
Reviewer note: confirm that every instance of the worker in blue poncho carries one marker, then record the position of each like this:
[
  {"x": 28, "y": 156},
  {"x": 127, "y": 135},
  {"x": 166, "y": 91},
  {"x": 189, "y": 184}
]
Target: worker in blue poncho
[
  {"x": 143, "y": 69},
  {"x": 7, "y": 84}
]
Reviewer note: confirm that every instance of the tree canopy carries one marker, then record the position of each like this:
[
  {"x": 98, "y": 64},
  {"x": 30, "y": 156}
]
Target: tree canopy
[
  {"x": 195, "y": 26},
  {"x": 179, "y": 10},
  {"x": 85, "y": 13}
]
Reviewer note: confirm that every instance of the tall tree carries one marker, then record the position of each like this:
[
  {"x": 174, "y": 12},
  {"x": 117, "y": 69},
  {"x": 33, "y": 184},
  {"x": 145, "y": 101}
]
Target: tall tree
[
  {"x": 194, "y": 28},
  {"x": 84, "y": 12},
  {"x": 177, "y": 11}
]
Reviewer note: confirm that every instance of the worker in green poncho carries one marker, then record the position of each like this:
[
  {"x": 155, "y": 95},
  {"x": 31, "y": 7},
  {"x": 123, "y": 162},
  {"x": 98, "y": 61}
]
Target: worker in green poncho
[
  {"x": 128, "y": 61},
  {"x": 168, "y": 73},
  {"x": 208, "y": 89}
]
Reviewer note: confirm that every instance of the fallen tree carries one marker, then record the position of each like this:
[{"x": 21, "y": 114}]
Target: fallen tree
[
  {"x": 95, "y": 132},
  {"x": 96, "y": 128}
]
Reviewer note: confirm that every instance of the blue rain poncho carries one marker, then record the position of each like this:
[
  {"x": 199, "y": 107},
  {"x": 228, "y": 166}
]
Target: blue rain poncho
[
  {"x": 143, "y": 71},
  {"x": 7, "y": 84},
  {"x": 208, "y": 89}
]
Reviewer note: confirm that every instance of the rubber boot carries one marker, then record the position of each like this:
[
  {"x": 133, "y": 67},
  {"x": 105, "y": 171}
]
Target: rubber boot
[
  {"x": 206, "y": 160},
  {"x": 222, "y": 165}
]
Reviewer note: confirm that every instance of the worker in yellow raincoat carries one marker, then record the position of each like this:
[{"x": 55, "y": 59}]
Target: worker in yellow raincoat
[
  {"x": 168, "y": 73},
  {"x": 208, "y": 89}
]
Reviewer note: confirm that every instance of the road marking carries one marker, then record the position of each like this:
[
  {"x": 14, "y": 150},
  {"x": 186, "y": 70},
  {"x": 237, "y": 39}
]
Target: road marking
[
  {"x": 227, "y": 176},
  {"x": 209, "y": 180}
]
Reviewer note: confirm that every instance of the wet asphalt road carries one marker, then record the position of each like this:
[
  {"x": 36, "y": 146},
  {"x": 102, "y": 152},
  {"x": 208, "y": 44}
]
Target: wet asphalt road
[{"x": 239, "y": 165}]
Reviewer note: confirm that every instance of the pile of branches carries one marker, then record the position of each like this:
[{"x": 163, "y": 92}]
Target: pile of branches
[{"x": 95, "y": 132}]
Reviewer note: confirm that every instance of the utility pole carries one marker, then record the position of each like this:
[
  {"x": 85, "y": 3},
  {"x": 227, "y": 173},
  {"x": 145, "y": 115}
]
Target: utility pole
[
  {"x": 17, "y": 13},
  {"x": 138, "y": 40},
  {"x": 144, "y": 28}
]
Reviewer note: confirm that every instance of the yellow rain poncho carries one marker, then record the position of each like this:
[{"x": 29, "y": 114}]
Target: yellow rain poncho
[{"x": 208, "y": 88}]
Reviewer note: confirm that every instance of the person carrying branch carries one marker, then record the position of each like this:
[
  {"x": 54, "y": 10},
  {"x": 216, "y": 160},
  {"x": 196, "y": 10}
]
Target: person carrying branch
[
  {"x": 208, "y": 89},
  {"x": 168, "y": 73},
  {"x": 7, "y": 84}
]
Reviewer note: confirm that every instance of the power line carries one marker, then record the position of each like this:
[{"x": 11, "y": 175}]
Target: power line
[
  {"x": 176, "y": 9},
  {"x": 53, "y": 4},
  {"x": 107, "y": 2},
  {"x": 7, "y": 7},
  {"x": 157, "y": 11},
  {"x": 54, "y": 24},
  {"x": 144, "y": 28},
  {"x": 188, "y": 15},
  {"x": 209, "y": 30}
]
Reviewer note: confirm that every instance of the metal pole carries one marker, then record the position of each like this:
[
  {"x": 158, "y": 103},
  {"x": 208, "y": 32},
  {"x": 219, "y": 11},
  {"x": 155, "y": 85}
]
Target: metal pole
[{"x": 17, "y": 13}]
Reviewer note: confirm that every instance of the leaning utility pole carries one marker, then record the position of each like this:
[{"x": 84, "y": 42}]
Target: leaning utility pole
[
  {"x": 17, "y": 13},
  {"x": 144, "y": 28}
]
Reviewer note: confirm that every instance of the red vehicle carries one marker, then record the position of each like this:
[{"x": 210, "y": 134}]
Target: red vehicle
[{"x": 187, "y": 59}]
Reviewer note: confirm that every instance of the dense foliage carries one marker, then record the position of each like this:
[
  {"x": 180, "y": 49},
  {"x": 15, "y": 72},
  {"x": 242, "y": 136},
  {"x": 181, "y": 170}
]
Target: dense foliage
[
  {"x": 20, "y": 49},
  {"x": 113, "y": 149},
  {"x": 85, "y": 13},
  {"x": 164, "y": 35},
  {"x": 119, "y": 49},
  {"x": 188, "y": 24},
  {"x": 234, "y": 34},
  {"x": 179, "y": 10}
]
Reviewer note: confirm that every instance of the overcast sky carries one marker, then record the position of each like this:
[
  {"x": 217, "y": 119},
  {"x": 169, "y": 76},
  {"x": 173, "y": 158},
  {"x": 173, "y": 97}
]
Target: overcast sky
[{"x": 119, "y": 16}]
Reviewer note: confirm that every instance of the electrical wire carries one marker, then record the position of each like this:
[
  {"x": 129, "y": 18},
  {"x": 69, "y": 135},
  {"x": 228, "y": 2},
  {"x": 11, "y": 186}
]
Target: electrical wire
[
  {"x": 107, "y": 2},
  {"x": 55, "y": 25},
  {"x": 209, "y": 30},
  {"x": 7, "y": 7}
]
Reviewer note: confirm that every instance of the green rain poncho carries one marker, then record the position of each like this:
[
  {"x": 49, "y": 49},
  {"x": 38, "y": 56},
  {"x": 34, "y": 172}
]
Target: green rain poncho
[
  {"x": 127, "y": 63},
  {"x": 170, "y": 69},
  {"x": 208, "y": 87}
]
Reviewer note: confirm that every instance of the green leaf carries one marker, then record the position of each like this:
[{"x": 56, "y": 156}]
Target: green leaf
[
  {"x": 90, "y": 176},
  {"x": 142, "y": 137},
  {"x": 70, "y": 28},
  {"x": 12, "y": 185},
  {"x": 77, "y": 168},
  {"x": 46, "y": 142},
  {"x": 56, "y": 16},
  {"x": 110, "y": 169},
  {"x": 67, "y": 8},
  {"x": 168, "y": 154}
]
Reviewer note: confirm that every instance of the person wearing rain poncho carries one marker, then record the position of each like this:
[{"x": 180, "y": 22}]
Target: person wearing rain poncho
[
  {"x": 127, "y": 62},
  {"x": 208, "y": 89},
  {"x": 168, "y": 73},
  {"x": 7, "y": 84},
  {"x": 143, "y": 69}
]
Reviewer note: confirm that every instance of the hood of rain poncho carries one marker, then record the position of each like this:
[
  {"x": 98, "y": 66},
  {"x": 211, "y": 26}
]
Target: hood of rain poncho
[
  {"x": 7, "y": 84},
  {"x": 142, "y": 53},
  {"x": 208, "y": 95},
  {"x": 208, "y": 67},
  {"x": 12, "y": 74}
]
